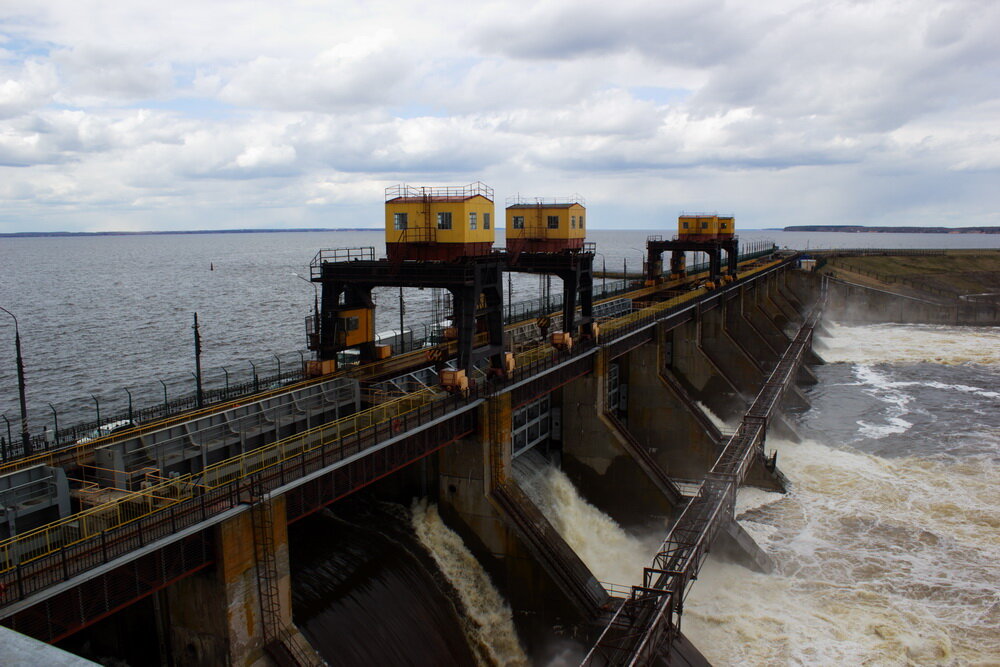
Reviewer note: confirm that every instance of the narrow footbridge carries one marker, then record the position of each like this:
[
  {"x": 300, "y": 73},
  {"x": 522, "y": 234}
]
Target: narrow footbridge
[
  {"x": 141, "y": 533},
  {"x": 648, "y": 620}
]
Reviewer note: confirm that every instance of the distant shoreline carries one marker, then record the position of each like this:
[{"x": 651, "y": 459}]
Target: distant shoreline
[
  {"x": 854, "y": 229},
  {"x": 794, "y": 228},
  {"x": 182, "y": 231}
]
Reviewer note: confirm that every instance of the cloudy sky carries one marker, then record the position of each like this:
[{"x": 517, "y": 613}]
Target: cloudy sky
[{"x": 188, "y": 114}]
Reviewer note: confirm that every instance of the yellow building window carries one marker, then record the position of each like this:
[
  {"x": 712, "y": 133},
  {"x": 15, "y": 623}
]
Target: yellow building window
[
  {"x": 723, "y": 225},
  {"x": 704, "y": 225},
  {"x": 572, "y": 222},
  {"x": 553, "y": 222},
  {"x": 444, "y": 220},
  {"x": 473, "y": 223},
  {"x": 399, "y": 221},
  {"x": 685, "y": 225},
  {"x": 486, "y": 220},
  {"x": 581, "y": 222},
  {"x": 518, "y": 222}
]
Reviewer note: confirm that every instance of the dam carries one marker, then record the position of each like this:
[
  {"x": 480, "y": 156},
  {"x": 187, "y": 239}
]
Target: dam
[{"x": 655, "y": 403}]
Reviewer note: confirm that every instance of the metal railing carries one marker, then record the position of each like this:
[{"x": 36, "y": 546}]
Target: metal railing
[
  {"x": 519, "y": 200},
  {"x": 892, "y": 279},
  {"x": 438, "y": 192},
  {"x": 159, "y": 494},
  {"x": 228, "y": 386},
  {"x": 646, "y": 619},
  {"x": 36, "y": 559}
]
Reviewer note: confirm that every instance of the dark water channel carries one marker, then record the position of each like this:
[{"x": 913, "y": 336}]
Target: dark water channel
[{"x": 364, "y": 592}]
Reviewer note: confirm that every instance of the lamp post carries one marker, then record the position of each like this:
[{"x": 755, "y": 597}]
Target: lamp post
[
  {"x": 166, "y": 404},
  {"x": 402, "y": 312},
  {"x": 25, "y": 438},
  {"x": 604, "y": 274},
  {"x": 315, "y": 294},
  {"x": 129, "y": 403},
  {"x": 55, "y": 421},
  {"x": 197, "y": 363}
]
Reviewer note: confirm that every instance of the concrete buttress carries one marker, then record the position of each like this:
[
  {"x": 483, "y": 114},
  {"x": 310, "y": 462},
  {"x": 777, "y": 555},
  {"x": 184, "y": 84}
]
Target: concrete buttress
[
  {"x": 480, "y": 499},
  {"x": 596, "y": 458},
  {"x": 215, "y": 615},
  {"x": 699, "y": 375},
  {"x": 660, "y": 418}
]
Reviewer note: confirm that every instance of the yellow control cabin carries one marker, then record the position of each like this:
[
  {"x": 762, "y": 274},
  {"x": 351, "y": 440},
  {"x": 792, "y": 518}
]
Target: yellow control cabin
[
  {"x": 438, "y": 223},
  {"x": 354, "y": 327},
  {"x": 727, "y": 227},
  {"x": 545, "y": 225},
  {"x": 705, "y": 227}
]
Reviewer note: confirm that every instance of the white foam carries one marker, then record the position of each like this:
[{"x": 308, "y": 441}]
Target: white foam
[
  {"x": 612, "y": 554},
  {"x": 963, "y": 388},
  {"x": 489, "y": 622},
  {"x": 880, "y": 561},
  {"x": 878, "y": 385},
  {"x": 910, "y": 344},
  {"x": 719, "y": 422}
]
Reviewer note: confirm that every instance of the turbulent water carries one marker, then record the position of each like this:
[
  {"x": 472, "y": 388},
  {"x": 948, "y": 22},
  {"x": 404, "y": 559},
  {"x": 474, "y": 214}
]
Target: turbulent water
[
  {"x": 887, "y": 544},
  {"x": 613, "y": 555},
  {"x": 488, "y": 618},
  {"x": 719, "y": 422},
  {"x": 382, "y": 585},
  {"x": 363, "y": 593}
]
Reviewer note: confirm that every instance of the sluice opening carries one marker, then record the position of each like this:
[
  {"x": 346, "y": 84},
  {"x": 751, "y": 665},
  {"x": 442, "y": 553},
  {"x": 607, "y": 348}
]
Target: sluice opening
[
  {"x": 377, "y": 583},
  {"x": 614, "y": 555}
]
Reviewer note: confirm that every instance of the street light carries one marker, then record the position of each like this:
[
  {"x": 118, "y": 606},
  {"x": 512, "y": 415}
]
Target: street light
[
  {"x": 315, "y": 293},
  {"x": 604, "y": 273},
  {"x": 25, "y": 439}
]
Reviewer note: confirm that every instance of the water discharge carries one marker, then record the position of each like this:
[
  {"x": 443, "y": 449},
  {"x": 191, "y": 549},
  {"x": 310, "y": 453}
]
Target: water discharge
[
  {"x": 488, "y": 619},
  {"x": 612, "y": 554},
  {"x": 910, "y": 344},
  {"x": 886, "y": 545},
  {"x": 720, "y": 423}
]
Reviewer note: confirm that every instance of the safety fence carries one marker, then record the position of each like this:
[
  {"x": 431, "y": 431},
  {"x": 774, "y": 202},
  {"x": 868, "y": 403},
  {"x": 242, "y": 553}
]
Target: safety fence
[{"x": 892, "y": 279}]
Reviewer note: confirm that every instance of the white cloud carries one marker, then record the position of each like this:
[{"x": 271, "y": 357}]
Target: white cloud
[
  {"x": 25, "y": 87},
  {"x": 226, "y": 114}
]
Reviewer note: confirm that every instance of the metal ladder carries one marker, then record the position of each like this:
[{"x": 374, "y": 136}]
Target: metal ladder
[{"x": 278, "y": 641}]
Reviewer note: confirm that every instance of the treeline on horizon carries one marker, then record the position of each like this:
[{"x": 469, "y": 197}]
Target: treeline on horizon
[
  {"x": 894, "y": 230},
  {"x": 188, "y": 231}
]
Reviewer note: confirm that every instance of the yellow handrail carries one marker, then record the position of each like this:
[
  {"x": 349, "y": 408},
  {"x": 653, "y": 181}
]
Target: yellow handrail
[
  {"x": 77, "y": 527},
  {"x": 161, "y": 495}
]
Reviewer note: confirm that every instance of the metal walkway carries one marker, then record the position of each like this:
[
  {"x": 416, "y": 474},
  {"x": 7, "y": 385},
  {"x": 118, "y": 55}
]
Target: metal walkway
[{"x": 649, "y": 619}]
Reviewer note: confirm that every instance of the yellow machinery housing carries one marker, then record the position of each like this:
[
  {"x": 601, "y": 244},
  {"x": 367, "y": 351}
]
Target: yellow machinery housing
[
  {"x": 355, "y": 327},
  {"x": 545, "y": 225},
  {"x": 438, "y": 223},
  {"x": 727, "y": 226},
  {"x": 697, "y": 227},
  {"x": 705, "y": 227}
]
